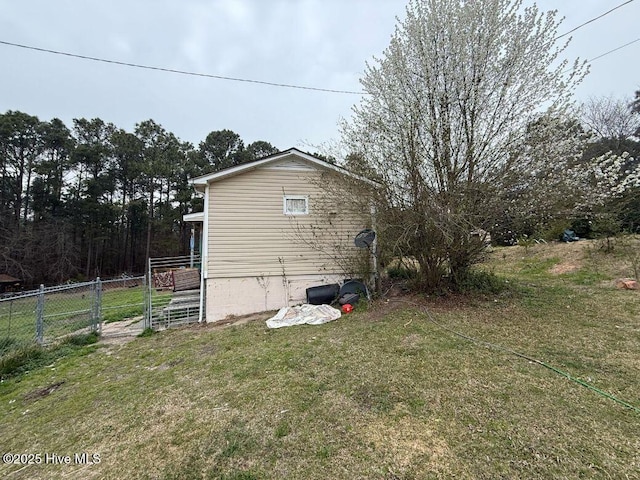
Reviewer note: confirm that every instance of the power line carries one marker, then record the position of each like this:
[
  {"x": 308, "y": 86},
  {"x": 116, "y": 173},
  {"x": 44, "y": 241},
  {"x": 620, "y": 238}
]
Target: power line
[
  {"x": 181, "y": 72},
  {"x": 615, "y": 49},
  {"x": 274, "y": 84},
  {"x": 594, "y": 19},
  {"x": 608, "y": 53}
]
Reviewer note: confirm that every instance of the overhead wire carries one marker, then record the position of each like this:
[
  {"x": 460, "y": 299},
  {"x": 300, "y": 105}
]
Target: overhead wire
[
  {"x": 173, "y": 70},
  {"x": 274, "y": 84},
  {"x": 594, "y": 19},
  {"x": 615, "y": 49}
]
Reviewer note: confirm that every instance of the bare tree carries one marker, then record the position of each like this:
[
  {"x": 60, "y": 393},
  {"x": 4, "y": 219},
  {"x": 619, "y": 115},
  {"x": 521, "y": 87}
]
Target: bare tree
[
  {"x": 611, "y": 118},
  {"x": 445, "y": 118},
  {"x": 635, "y": 107}
]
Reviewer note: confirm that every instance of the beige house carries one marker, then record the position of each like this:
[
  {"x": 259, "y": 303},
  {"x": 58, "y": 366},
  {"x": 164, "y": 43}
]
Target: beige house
[{"x": 270, "y": 230}]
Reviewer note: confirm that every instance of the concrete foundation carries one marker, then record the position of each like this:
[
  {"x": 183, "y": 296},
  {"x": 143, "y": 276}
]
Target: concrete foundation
[{"x": 245, "y": 295}]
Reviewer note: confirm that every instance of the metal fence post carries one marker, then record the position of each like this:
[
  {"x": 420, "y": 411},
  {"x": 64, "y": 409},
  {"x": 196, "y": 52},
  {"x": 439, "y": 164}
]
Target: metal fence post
[
  {"x": 145, "y": 303},
  {"x": 10, "y": 314},
  {"x": 148, "y": 320},
  {"x": 40, "y": 316},
  {"x": 97, "y": 306}
]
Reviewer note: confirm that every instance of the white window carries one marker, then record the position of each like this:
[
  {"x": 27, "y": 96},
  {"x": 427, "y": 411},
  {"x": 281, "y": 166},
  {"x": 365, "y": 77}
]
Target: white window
[{"x": 296, "y": 205}]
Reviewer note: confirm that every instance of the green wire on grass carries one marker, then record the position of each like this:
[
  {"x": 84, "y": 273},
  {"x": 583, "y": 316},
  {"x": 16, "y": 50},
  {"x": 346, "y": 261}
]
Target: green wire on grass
[{"x": 526, "y": 357}]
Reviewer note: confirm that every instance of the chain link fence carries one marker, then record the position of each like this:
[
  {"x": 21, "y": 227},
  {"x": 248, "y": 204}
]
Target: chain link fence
[{"x": 51, "y": 313}]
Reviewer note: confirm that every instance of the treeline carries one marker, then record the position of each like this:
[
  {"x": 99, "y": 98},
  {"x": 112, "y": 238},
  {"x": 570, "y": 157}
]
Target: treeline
[{"x": 96, "y": 200}]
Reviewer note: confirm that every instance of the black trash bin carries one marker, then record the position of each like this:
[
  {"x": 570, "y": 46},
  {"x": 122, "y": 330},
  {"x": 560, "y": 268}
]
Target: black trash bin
[
  {"x": 354, "y": 286},
  {"x": 323, "y": 294}
]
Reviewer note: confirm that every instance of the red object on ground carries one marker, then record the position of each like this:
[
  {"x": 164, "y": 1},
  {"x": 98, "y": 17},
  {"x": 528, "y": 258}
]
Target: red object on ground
[{"x": 347, "y": 308}]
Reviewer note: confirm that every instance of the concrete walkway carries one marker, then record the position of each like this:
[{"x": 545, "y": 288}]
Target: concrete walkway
[{"x": 121, "y": 332}]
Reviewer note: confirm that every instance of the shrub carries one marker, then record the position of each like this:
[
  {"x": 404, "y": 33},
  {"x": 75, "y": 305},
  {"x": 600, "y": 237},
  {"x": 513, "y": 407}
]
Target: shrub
[
  {"x": 29, "y": 357},
  {"x": 555, "y": 230},
  {"x": 401, "y": 272},
  {"x": 81, "y": 340},
  {"x": 478, "y": 281},
  {"x": 20, "y": 360}
]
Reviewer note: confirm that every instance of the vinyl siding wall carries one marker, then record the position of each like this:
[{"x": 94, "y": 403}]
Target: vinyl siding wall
[{"x": 250, "y": 236}]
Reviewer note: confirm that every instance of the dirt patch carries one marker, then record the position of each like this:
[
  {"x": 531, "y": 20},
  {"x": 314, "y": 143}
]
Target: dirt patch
[
  {"x": 241, "y": 320},
  {"x": 436, "y": 303},
  {"x": 43, "y": 392},
  {"x": 379, "y": 309}
]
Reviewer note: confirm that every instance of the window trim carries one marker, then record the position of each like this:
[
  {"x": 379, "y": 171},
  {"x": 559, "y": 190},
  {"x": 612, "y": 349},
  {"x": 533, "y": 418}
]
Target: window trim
[{"x": 295, "y": 197}]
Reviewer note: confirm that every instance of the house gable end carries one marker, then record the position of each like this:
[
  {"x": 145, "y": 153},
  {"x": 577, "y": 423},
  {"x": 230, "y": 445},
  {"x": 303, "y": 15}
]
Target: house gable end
[
  {"x": 293, "y": 158},
  {"x": 293, "y": 164}
]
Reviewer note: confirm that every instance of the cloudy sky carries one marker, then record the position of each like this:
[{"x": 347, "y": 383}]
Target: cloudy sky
[{"x": 315, "y": 43}]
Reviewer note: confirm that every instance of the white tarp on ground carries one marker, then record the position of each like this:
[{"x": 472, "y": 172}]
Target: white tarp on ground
[{"x": 309, "y": 314}]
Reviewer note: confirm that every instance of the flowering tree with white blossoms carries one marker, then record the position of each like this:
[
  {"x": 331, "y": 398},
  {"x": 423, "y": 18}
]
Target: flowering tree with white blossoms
[
  {"x": 605, "y": 183},
  {"x": 607, "y": 177},
  {"x": 541, "y": 188},
  {"x": 609, "y": 174},
  {"x": 444, "y": 119}
]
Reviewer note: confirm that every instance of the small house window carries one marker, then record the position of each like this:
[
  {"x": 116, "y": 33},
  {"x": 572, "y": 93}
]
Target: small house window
[{"x": 296, "y": 205}]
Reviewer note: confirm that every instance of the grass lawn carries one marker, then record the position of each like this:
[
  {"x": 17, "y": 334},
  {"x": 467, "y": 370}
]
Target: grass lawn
[{"x": 388, "y": 392}]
